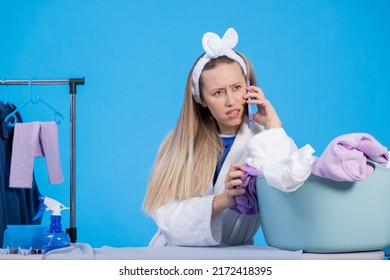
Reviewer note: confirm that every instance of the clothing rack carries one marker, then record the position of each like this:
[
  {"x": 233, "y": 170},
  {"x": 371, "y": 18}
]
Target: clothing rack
[{"x": 73, "y": 83}]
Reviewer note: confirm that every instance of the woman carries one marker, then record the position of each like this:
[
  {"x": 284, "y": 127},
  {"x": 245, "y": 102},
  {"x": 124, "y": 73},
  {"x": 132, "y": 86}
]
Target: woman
[{"x": 199, "y": 164}]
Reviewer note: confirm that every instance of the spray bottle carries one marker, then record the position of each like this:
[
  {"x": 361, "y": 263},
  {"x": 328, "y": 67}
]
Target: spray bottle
[{"x": 55, "y": 238}]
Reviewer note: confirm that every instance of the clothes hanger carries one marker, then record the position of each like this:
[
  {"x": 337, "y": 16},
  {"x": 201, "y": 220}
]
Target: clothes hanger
[{"x": 57, "y": 117}]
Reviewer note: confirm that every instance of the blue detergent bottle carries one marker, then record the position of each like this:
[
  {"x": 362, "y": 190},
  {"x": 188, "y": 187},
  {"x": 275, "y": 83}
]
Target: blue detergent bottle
[{"x": 55, "y": 238}]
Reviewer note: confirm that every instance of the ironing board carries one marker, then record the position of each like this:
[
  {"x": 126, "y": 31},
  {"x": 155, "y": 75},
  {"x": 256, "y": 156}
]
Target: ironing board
[{"x": 82, "y": 251}]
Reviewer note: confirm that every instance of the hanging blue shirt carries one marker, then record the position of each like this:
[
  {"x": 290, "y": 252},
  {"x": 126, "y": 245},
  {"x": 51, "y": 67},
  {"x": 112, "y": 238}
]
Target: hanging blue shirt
[
  {"x": 17, "y": 206},
  {"x": 228, "y": 142}
]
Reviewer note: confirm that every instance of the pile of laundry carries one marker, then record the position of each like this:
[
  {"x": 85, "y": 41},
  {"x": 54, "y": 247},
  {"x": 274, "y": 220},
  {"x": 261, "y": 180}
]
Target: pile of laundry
[{"x": 347, "y": 158}]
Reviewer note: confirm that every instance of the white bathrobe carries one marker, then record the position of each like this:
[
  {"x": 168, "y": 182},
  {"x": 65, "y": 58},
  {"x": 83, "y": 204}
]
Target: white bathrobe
[{"x": 190, "y": 223}]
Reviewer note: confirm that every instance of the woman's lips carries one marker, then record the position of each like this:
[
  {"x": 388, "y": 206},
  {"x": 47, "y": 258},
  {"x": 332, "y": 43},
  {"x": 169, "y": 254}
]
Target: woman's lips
[{"x": 233, "y": 114}]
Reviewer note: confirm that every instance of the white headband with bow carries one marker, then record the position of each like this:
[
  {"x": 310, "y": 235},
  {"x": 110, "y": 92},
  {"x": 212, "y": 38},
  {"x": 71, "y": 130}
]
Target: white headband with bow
[{"x": 215, "y": 47}]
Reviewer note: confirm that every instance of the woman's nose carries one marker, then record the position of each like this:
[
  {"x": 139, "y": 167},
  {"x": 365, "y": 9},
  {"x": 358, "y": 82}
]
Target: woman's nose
[{"x": 230, "y": 100}]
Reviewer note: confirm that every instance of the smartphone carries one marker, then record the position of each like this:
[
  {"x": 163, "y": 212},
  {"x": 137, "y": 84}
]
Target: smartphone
[{"x": 250, "y": 120}]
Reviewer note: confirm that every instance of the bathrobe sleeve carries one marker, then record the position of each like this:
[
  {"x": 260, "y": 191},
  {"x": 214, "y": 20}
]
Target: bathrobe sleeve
[
  {"x": 276, "y": 155},
  {"x": 189, "y": 222}
]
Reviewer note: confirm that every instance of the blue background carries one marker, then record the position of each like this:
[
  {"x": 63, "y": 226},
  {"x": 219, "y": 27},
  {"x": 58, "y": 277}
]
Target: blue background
[{"x": 323, "y": 64}]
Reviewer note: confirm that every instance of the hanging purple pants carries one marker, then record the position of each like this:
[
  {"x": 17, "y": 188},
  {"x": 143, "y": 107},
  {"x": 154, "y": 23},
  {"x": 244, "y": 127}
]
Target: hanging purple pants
[{"x": 34, "y": 139}]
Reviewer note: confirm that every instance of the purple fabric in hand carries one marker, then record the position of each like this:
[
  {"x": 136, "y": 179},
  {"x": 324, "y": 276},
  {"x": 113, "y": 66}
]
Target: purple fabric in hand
[
  {"x": 247, "y": 203},
  {"x": 345, "y": 158}
]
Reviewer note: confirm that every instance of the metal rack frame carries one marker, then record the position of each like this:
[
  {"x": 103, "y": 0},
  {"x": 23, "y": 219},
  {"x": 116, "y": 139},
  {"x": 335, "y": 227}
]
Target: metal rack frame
[{"x": 73, "y": 83}]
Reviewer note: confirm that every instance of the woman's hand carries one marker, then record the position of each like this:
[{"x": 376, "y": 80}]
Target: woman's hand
[
  {"x": 266, "y": 114},
  {"x": 226, "y": 199}
]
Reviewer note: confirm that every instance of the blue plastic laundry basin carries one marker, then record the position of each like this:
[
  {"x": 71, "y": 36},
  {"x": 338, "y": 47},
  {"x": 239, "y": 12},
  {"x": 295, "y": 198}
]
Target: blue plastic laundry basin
[
  {"x": 325, "y": 216},
  {"x": 24, "y": 236}
]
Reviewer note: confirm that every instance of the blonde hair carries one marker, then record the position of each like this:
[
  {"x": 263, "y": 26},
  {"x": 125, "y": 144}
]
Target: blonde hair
[{"x": 186, "y": 161}]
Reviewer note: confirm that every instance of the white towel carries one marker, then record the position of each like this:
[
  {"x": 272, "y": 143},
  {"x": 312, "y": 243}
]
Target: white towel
[{"x": 275, "y": 154}]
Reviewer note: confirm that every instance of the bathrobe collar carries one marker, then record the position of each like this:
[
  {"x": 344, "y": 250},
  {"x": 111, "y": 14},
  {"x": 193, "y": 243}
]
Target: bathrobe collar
[{"x": 237, "y": 152}]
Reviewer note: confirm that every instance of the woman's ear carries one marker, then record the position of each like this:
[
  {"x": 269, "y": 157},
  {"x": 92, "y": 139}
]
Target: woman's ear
[{"x": 203, "y": 103}]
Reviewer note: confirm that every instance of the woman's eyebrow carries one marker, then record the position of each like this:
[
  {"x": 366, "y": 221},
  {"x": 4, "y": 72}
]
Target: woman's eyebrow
[
  {"x": 218, "y": 88},
  {"x": 235, "y": 84}
]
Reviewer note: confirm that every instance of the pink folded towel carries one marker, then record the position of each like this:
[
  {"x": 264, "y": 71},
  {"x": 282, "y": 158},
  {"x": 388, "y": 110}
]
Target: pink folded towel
[
  {"x": 345, "y": 158},
  {"x": 34, "y": 139}
]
